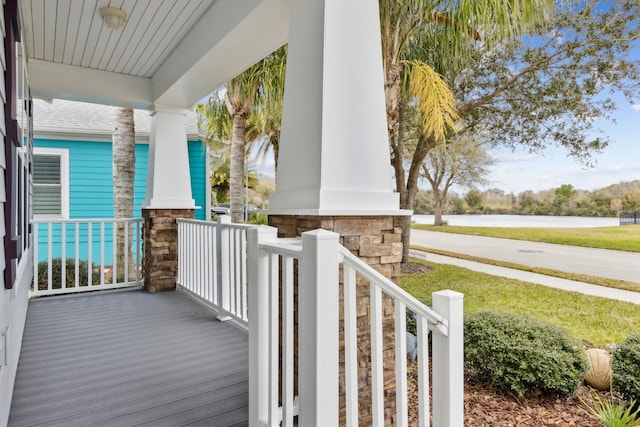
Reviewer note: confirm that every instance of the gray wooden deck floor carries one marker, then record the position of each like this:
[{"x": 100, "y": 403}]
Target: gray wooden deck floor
[{"x": 129, "y": 358}]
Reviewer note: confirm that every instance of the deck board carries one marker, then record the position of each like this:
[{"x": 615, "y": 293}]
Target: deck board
[{"x": 127, "y": 358}]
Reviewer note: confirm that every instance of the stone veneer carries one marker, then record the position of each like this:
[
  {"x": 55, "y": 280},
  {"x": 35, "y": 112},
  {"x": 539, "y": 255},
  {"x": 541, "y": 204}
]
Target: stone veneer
[
  {"x": 160, "y": 259},
  {"x": 377, "y": 241}
]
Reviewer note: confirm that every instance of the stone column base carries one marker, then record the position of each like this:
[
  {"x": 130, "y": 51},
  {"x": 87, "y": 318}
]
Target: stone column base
[
  {"x": 160, "y": 259},
  {"x": 378, "y": 241}
]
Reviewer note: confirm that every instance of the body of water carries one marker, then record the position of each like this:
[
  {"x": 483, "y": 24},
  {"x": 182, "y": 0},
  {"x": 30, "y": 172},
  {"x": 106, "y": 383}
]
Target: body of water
[{"x": 520, "y": 221}]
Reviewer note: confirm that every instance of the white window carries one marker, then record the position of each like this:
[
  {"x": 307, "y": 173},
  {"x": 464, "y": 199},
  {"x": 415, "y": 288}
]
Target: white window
[{"x": 51, "y": 183}]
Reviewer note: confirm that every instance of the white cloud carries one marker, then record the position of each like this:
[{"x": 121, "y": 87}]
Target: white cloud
[
  {"x": 504, "y": 158},
  {"x": 636, "y": 107}
]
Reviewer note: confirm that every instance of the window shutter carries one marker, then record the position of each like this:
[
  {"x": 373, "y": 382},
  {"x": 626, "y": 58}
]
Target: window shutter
[
  {"x": 46, "y": 169},
  {"x": 47, "y": 184}
]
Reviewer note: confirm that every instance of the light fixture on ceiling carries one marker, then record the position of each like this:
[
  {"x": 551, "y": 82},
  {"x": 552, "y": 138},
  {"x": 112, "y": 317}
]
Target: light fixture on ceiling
[{"x": 113, "y": 17}]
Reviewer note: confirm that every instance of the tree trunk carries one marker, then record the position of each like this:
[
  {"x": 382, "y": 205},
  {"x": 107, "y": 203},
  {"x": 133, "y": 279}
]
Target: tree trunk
[
  {"x": 393, "y": 97},
  {"x": 236, "y": 169},
  {"x": 437, "y": 210},
  {"x": 410, "y": 189},
  {"x": 123, "y": 169}
]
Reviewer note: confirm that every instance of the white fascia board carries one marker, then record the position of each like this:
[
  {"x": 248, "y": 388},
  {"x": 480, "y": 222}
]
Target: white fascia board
[
  {"x": 51, "y": 80},
  {"x": 230, "y": 37},
  {"x": 89, "y": 135}
]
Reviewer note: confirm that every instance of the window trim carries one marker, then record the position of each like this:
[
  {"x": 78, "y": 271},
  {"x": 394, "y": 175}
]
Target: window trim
[{"x": 64, "y": 180}]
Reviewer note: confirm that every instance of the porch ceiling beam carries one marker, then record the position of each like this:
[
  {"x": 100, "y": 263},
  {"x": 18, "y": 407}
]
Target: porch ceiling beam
[
  {"x": 229, "y": 37},
  {"x": 53, "y": 80}
]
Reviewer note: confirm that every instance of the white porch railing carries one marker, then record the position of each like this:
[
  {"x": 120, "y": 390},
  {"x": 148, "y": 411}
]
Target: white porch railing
[
  {"x": 80, "y": 255},
  {"x": 212, "y": 265},
  {"x": 220, "y": 275},
  {"x": 271, "y": 278}
]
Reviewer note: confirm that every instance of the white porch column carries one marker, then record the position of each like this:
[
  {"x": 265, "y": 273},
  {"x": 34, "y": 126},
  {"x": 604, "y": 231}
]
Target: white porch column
[
  {"x": 168, "y": 197},
  {"x": 168, "y": 179},
  {"x": 334, "y": 149}
]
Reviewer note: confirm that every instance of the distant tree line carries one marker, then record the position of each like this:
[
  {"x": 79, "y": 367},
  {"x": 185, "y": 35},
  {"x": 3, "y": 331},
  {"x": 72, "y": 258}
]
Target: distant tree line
[{"x": 562, "y": 201}]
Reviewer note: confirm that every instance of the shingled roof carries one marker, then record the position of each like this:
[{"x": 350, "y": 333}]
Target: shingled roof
[{"x": 59, "y": 117}]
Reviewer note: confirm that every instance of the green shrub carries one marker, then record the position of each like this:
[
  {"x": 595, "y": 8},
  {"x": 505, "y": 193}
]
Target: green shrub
[
  {"x": 70, "y": 273},
  {"x": 520, "y": 353},
  {"x": 613, "y": 414},
  {"x": 626, "y": 368},
  {"x": 258, "y": 218}
]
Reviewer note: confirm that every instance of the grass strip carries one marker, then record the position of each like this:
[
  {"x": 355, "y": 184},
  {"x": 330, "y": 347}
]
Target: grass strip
[
  {"x": 594, "y": 280},
  {"x": 622, "y": 238},
  {"x": 599, "y": 321}
]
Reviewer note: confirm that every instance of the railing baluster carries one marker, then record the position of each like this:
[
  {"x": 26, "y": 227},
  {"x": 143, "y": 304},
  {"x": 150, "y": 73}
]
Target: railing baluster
[
  {"x": 377, "y": 374},
  {"x": 77, "y": 255},
  {"x": 114, "y": 252},
  {"x": 50, "y": 257},
  {"x": 36, "y": 258},
  {"x": 181, "y": 254},
  {"x": 224, "y": 256},
  {"x": 233, "y": 303},
  {"x": 243, "y": 266},
  {"x": 401, "y": 363},
  {"x": 287, "y": 342},
  {"x": 63, "y": 255},
  {"x": 211, "y": 262},
  {"x": 138, "y": 248},
  {"x": 126, "y": 226},
  {"x": 422, "y": 330},
  {"x": 350, "y": 345},
  {"x": 101, "y": 253},
  {"x": 274, "y": 339},
  {"x": 90, "y": 254}
]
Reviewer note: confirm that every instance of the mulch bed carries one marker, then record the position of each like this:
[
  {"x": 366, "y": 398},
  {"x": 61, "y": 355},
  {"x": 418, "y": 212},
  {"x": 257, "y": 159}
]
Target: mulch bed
[
  {"x": 484, "y": 406},
  {"x": 413, "y": 268}
]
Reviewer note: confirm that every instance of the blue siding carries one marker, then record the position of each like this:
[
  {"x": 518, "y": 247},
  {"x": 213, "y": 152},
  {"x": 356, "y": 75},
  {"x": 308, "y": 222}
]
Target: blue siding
[
  {"x": 198, "y": 168},
  {"x": 91, "y": 183}
]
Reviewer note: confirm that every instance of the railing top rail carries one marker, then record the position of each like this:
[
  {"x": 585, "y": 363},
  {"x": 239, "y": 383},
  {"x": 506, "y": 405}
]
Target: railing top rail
[
  {"x": 393, "y": 290},
  {"x": 74, "y": 220},
  {"x": 285, "y": 247},
  {"x": 230, "y": 225}
]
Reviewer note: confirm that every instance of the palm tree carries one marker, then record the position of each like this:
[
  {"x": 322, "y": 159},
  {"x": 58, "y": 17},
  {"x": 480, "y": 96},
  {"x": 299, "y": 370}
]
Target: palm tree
[
  {"x": 124, "y": 167},
  {"x": 240, "y": 98},
  {"x": 253, "y": 104},
  {"x": 267, "y": 117},
  {"x": 423, "y": 43}
]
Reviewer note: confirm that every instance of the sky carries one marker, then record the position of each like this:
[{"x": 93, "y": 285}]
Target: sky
[{"x": 620, "y": 161}]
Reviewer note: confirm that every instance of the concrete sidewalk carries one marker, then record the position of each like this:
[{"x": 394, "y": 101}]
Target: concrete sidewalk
[
  {"x": 607, "y": 263},
  {"x": 525, "y": 276}
]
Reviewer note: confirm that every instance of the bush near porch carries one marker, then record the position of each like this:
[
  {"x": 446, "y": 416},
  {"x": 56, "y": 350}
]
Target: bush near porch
[{"x": 70, "y": 273}]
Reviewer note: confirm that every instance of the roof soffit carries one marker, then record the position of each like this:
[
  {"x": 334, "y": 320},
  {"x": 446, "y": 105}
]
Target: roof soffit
[{"x": 170, "y": 51}]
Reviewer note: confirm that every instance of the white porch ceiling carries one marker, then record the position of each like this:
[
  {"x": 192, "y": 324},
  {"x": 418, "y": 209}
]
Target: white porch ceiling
[{"x": 171, "y": 52}]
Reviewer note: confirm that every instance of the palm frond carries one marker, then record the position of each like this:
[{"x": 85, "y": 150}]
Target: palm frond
[
  {"x": 435, "y": 101},
  {"x": 214, "y": 120}
]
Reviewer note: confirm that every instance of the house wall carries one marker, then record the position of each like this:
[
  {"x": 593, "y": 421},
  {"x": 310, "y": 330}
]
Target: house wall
[
  {"x": 91, "y": 186},
  {"x": 14, "y": 301}
]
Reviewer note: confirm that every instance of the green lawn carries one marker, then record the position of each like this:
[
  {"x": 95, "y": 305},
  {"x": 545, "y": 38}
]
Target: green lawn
[
  {"x": 624, "y": 238},
  {"x": 599, "y": 321}
]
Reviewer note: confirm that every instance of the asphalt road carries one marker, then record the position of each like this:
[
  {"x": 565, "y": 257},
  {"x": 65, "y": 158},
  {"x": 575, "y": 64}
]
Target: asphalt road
[{"x": 593, "y": 262}]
